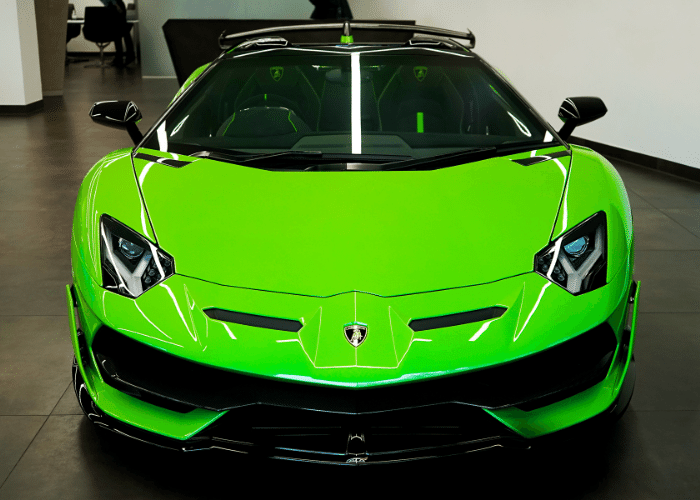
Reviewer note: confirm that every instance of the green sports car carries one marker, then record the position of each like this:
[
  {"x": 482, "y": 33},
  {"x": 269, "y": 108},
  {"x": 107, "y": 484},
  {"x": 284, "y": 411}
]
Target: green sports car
[{"x": 352, "y": 253}]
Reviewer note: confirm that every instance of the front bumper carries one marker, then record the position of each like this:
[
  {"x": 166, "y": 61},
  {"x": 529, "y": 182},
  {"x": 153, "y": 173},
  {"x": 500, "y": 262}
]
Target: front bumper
[
  {"x": 441, "y": 428},
  {"x": 349, "y": 443}
]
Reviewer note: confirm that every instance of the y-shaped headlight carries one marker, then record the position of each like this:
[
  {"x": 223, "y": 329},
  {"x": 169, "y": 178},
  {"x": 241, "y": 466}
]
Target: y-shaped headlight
[
  {"x": 130, "y": 263},
  {"x": 577, "y": 260}
]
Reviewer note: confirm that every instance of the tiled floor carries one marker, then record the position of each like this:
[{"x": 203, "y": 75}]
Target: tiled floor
[{"x": 48, "y": 450}]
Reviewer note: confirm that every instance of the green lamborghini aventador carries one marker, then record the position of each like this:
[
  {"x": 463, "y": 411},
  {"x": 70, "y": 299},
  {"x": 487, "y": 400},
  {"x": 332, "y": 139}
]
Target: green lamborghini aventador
[{"x": 352, "y": 253}]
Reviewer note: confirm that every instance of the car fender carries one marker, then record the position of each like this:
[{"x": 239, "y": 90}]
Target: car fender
[
  {"x": 593, "y": 186},
  {"x": 109, "y": 187}
]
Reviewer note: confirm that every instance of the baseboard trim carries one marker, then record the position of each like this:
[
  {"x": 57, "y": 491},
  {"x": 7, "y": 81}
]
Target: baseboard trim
[
  {"x": 22, "y": 110},
  {"x": 669, "y": 167}
]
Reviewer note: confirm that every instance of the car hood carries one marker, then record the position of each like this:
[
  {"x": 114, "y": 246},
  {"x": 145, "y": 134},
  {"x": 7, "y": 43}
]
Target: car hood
[{"x": 324, "y": 233}]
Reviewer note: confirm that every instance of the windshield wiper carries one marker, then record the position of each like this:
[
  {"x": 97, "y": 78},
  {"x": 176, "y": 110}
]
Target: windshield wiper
[
  {"x": 292, "y": 158},
  {"x": 446, "y": 160},
  {"x": 241, "y": 157}
]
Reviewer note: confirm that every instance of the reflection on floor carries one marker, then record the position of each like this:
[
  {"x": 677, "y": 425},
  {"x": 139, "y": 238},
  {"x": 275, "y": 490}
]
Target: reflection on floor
[{"x": 47, "y": 450}]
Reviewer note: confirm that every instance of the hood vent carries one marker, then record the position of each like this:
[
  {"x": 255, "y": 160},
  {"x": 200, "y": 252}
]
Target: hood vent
[
  {"x": 164, "y": 161},
  {"x": 532, "y": 160},
  {"x": 285, "y": 325},
  {"x": 419, "y": 325}
]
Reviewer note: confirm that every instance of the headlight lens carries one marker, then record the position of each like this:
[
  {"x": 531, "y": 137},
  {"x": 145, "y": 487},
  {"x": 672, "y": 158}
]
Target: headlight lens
[
  {"x": 577, "y": 261},
  {"x": 130, "y": 263}
]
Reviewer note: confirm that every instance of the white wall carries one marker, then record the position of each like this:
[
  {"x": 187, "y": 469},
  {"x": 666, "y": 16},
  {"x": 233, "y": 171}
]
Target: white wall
[
  {"x": 155, "y": 58},
  {"x": 20, "y": 78},
  {"x": 640, "y": 57}
]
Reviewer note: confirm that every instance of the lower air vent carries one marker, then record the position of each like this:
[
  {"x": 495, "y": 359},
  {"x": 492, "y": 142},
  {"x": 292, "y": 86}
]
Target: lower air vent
[
  {"x": 529, "y": 382},
  {"x": 285, "y": 325},
  {"x": 419, "y": 325}
]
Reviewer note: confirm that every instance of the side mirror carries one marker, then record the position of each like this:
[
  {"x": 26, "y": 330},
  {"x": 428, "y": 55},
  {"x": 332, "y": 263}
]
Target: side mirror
[
  {"x": 575, "y": 111},
  {"x": 118, "y": 114}
]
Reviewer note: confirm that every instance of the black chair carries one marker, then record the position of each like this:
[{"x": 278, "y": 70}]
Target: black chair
[
  {"x": 73, "y": 31},
  {"x": 102, "y": 27},
  {"x": 73, "y": 28}
]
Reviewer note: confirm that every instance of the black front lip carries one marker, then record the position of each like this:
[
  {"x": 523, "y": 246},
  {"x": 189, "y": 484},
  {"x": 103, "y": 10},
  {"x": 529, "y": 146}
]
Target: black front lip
[{"x": 507, "y": 440}]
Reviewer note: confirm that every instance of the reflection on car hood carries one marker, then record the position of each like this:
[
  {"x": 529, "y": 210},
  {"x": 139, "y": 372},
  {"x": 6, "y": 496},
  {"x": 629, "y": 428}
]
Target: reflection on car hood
[{"x": 323, "y": 233}]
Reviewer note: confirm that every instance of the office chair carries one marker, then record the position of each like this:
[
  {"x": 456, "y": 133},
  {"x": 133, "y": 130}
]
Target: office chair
[
  {"x": 102, "y": 27},
  {"x": 73, "y": 31}
]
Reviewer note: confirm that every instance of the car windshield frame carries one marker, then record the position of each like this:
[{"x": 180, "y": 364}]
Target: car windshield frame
[{"x": 549, "y": 138}]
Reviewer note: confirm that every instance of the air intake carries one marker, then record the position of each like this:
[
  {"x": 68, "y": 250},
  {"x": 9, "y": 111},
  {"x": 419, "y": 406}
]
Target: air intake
[
  {"x": 285, "y": 325},
  {"x": 419, "y": 325}
]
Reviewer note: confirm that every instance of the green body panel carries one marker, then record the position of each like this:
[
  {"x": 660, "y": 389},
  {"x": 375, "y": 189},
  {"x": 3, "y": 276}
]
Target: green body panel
[
  {"x": 130, "y": 409},
  {"x": 583, "y": 405},
  {"x": 409, "y": 245},
  {"x": 109, "y": 187},
  {"x": 333, "y": 248},
  {"x": 170, "y": 317},
  {"x": 325, "y": 233},
  {"x": 594, "y": 185},
  {"x": 528, "y": 424}
]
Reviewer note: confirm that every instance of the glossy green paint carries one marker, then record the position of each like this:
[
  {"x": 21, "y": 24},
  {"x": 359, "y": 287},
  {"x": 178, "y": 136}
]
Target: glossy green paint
[
  {"x": 170, "y": 316},
  {"x": 132, "y": 410},
  {"x": 580, "y": 407},
  {"x": 110, "y": 187},
  {"x": 521, "y": 330},
  {"x": 324, "y": 233},
  {"x": 332, "y": 248},
  {"x": 594, "y": 185}
]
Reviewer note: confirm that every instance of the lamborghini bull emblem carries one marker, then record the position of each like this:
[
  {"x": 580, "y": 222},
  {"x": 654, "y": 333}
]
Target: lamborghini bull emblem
[
  {"x": 276, "y": 73},
  {"x": 355, "y": 333},
  {"x": 420, "y": 73}
]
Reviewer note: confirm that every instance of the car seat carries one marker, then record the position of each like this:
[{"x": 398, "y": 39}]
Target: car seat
[
  {"x": 279, "y": 86},
  {"x": 421, "y": 99}
]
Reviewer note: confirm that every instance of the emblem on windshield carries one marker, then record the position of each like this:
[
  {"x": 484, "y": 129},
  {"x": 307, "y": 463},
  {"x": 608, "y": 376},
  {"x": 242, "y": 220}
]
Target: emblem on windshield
[
  {"x": 420, "y": 72},
  {"x": 276, "y": 73},
  {"x": 355, "y": 333}
]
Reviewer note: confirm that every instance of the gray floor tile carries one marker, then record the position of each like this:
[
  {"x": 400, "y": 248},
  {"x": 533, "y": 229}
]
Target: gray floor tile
[
  {"x": 655, "y": 456},
  {"x": 689, "y": 218},
  {"x": 21, "y": 192},
  {"x": 34, "y": 286},
  {"x": 637, "y": 201},
  {"x": 653, "y": 230},
  {"x": 34, "y": 234},
  {"x": 670, "y": 280},
  {"x": 659, "y": 189},
  {"x": 69, "y": 459},
  {"x": 35, "y": 363},
  {"x": 667, "y": 351},
  {"x": 68, "y": 404},
  {"x": 15, "y": 435}
]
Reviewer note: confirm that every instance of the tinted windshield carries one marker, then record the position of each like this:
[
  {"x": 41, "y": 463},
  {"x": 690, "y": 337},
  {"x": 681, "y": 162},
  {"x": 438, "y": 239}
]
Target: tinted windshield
[{"x": 401, "y": 101}]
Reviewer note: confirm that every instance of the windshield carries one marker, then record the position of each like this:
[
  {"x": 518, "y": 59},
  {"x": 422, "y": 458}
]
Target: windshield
[{"x": 408, "y": 102}]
